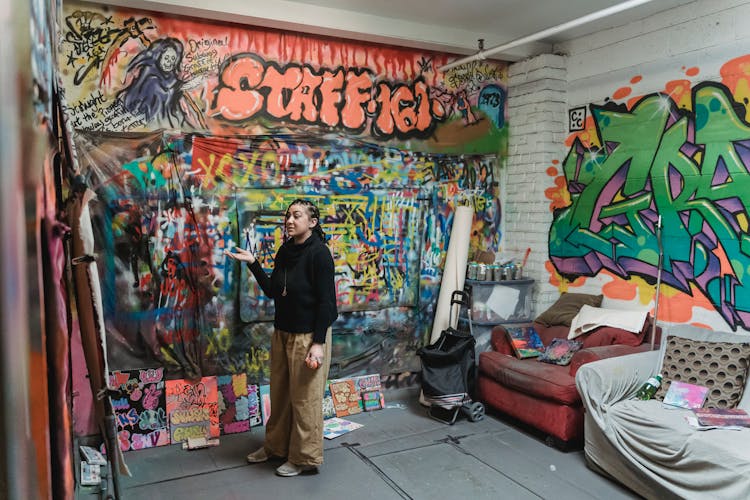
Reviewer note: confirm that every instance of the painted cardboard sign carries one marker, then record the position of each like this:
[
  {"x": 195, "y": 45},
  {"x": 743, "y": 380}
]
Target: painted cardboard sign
[
  {"x": 193, "y": 409},
  {"x": 140, "y": 408}
]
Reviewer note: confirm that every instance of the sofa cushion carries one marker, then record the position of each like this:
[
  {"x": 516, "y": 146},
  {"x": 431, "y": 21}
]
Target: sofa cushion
[
  {"x": 547, "y": 333},
  {"x": 596, "y": 353},
  {"x": 604, "y": 335},
  {"x": 720, "y": 366},
  {"x": 610, "y": 335},
  {"x": 700, "y": 333},
  {"x": 566, "y": 307},
  {"x": 541, "y": 380}
]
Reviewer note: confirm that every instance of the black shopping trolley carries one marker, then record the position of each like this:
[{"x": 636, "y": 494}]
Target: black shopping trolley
[{"x": 449, "y": 368}]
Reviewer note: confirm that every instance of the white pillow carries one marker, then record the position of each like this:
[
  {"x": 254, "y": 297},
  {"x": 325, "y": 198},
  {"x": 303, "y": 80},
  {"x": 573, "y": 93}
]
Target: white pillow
[
  {"x": 702, "y": 334},
  {"x": 590, "y": 318}
]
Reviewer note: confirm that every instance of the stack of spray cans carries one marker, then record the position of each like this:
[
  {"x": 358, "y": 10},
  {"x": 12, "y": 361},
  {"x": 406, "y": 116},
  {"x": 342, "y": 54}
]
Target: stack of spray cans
[{"x": 494, "y": 272}]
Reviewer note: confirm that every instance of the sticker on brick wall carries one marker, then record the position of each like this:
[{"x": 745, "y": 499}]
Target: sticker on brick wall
[{"x": 577, "y": 119}]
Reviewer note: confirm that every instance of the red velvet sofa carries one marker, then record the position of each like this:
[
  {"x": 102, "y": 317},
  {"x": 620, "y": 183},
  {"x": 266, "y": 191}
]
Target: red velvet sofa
[{"x": 544, "y": 395}]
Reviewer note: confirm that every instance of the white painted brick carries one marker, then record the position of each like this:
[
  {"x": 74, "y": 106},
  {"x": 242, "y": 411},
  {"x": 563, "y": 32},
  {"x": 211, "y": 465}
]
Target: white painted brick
[
  {"x": 545, "y": 117},
  {"x": 681, "y": 31},
  {"x": 703, "y": 34},
  {"x": 536, "y": 86},
  {"x": 549, "y": 61},
  {"x": 524, "y": 127},
  {"x": 545, "y": 128},
  {"x": 659, "y": 22},
  {"x": 537, "y": 112},
  {"x": 545, "y": 60},
  {"x": 544, "y": 95},
  {"x": 539, "y": 75},
  {"x": 514, "y": 107},
  {"x": 741, "y": 14},
  {"x": 538, "y": 157},
  {"x": 716, "y": 29}
]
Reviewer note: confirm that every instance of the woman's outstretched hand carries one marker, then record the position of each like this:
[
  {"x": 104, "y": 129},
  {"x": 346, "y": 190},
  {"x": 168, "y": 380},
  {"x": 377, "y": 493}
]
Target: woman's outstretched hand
[{"x": 241, "y": 254}]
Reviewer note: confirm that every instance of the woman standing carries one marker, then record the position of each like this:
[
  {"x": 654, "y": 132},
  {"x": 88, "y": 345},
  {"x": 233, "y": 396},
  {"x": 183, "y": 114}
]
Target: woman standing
[{"x": 302, "y": 287}]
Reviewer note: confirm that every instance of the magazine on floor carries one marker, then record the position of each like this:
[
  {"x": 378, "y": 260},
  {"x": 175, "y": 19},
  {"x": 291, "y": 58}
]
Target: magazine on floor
[{"x": 335, "y": 427}]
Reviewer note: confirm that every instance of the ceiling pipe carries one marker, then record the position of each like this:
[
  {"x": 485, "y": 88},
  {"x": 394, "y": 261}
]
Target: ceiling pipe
[{"x": 484, "y": 54}]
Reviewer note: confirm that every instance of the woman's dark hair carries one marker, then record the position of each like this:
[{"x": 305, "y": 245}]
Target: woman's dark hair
[{"x": 314, "y": 213}]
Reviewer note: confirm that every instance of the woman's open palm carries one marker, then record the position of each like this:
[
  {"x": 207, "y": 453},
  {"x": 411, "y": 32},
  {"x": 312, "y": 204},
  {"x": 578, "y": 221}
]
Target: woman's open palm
[{"x": 240, "y": 254}]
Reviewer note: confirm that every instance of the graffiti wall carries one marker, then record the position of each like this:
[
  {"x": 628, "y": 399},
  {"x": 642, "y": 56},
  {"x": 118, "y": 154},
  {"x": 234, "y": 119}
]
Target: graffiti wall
[
  {"x": 195, "y": 137},
  {"x": 135, "y": 71},
  {"x": 680, "y": 156}
]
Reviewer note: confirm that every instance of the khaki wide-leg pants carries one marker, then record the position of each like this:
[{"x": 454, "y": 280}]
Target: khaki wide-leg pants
[{"x": 295, "y": 428}]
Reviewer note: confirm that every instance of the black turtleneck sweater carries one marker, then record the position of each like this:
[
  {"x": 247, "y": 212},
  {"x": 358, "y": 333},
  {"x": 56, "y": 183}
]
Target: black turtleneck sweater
[{"x": 308, "y": 273}]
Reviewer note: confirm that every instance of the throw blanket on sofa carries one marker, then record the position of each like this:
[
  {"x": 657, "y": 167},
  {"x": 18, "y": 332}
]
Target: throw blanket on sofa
[{"x": 590, "y": 318}]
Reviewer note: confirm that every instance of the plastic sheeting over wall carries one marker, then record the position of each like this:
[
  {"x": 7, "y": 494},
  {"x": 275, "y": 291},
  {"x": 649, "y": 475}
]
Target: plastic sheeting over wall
[{"x": 168, "y": 205}]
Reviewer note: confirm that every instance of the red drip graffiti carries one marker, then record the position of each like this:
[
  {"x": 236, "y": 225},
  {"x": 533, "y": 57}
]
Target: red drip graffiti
[{"x": 349, "y": 99}]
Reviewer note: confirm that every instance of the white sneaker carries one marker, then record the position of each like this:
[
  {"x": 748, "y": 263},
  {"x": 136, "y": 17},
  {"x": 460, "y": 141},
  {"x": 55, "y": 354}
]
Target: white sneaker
[
  {"x": 288, "y": 469},
  {"x": 257, "y": 456}
]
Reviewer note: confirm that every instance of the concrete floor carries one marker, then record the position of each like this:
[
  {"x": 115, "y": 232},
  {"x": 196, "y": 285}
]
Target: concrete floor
[{"x": 399, "y": 453}]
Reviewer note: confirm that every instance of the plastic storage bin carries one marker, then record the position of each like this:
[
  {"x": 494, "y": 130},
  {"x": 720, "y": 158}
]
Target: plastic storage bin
[{"x": 496, "y": 302}]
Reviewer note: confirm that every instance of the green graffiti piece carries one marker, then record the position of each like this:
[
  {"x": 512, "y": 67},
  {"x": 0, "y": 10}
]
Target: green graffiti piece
[
  {"x": 595, "y": 181},
  {"x": 738, "y": 269},
  {"x": 646, "y": 123},
  {"x": 714, "y": 288},
  {"x": 650, "y": 166},
  {"x": 723, "y": 124},
  {"x": 671, "y": 161},
  {"x": 700, "y": 258},
  {"x": 148, "y": 177}
]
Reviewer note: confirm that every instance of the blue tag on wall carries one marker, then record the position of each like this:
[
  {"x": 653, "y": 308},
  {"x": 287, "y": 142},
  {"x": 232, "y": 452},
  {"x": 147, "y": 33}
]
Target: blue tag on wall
[{"x": 492, "y": 104}]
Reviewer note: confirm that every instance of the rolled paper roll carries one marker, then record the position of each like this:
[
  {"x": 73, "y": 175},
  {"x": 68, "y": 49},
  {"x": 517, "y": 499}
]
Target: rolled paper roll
[{"x": 455, "y": 263}]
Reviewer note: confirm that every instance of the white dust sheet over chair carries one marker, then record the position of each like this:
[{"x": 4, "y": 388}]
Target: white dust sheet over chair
[{"x": 651, "y": 449}]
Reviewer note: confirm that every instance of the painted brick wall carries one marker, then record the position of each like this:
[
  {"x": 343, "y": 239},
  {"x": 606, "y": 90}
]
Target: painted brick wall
[
  {"x": 659, "y": 47},
  {"x": 541, "y": 90},
  {"x": 537, "y": 113},
  {"x": 691, "y": 43}
]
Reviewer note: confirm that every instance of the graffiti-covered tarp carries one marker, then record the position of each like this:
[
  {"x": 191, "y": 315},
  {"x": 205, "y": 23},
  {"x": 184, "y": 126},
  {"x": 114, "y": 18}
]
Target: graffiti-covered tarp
[
  {"x": 168, "y": 205},
  {"x": 133, "y": 71}
]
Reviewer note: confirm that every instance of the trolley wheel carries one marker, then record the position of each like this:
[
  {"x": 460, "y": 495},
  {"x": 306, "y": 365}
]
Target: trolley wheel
[{"x": 476, "y": 411}]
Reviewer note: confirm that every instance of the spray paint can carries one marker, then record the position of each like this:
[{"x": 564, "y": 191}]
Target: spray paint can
[
  {"x": 497, "y": 273},
  {"x": 472, "y": 272},
  {"x": 482, "y": 272}
]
